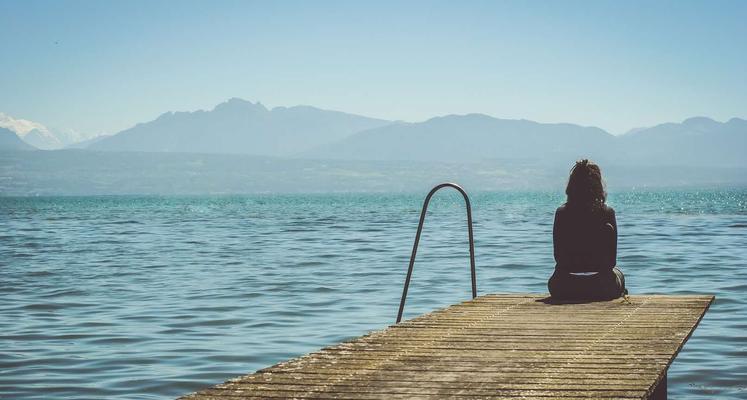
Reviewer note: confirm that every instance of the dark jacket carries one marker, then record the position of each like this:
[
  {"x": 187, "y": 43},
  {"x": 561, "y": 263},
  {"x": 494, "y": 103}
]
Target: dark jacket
[{"x": 584, "y": 241}]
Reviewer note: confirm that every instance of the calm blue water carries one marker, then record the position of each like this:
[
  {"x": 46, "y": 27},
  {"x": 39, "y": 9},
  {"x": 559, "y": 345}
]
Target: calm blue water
[{"x": 154, "y": 297}]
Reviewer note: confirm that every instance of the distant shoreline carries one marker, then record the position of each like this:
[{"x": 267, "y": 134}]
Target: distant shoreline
[{"x": 79, "y": 172}]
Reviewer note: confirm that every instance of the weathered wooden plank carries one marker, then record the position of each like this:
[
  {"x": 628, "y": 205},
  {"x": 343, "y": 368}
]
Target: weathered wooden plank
[
  {"x": 406, "y": 385},
  {"x": 436, "y": 378},
  {"x": 525, "y": 368},
  {"x": 333, "y": 391},
  {"x": 523, "y": 363},
  {"x": 496, "y": 346}
]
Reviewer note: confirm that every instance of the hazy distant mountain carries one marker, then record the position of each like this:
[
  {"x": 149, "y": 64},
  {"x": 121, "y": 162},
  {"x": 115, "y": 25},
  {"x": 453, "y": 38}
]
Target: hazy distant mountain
[
  {"x": 85, "y": 143},
  {"x": 31, "y": 132},
  {"x": 38, "y": 135},
  {"x": 476, "y": 137},
  {"x": 242, "y": 127},
  {"x": 695, "y": 141},
  {"x": 19, "y": 126},
  {"x": 472, "y": 137},
  {"x": 9, "y": 141},
  {"x": 342, "y": 152},
  {"x": 239, "y": 126},
  {"x": 43, "y": 139}
]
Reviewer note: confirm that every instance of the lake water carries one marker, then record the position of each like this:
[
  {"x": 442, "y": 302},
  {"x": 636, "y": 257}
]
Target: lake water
[{"x": 154, "y": 297}]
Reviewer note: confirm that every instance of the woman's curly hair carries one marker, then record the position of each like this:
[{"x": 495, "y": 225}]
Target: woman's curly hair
[{"x": 585, "y": 186}]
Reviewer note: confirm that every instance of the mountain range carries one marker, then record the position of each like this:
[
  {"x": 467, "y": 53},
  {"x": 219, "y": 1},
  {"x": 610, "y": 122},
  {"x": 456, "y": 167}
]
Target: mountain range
[
  {"x": 473, "y": 137},
  {"x": 476, "y": 137},
  {"x": 696, "y": 141},
  {"x": 241, "y": 127}
]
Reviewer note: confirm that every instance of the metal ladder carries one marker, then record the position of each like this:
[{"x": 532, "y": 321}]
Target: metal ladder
[{"x": 417, "y": 240}]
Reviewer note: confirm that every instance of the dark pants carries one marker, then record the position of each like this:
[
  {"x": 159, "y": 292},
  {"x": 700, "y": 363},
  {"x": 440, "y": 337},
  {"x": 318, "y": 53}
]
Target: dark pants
[{"x": 606, "y": 285}]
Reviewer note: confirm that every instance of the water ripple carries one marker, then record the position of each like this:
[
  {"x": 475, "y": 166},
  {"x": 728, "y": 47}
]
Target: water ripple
[{"x": 154, "y": 297}]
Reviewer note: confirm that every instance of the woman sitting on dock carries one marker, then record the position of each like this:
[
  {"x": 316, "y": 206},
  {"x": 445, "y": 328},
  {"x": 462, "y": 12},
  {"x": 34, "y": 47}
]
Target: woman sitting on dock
[{"x": 585, "y": 241}]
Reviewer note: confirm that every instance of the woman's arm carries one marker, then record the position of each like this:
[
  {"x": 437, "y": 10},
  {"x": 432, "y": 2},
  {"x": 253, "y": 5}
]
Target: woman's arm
[
  {"x": 612, "y": 240},
  {"x": 557, "y": 237}
]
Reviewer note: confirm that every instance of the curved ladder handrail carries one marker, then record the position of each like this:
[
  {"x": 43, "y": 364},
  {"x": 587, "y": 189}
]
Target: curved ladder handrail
[{"x": 417, "y": 240}]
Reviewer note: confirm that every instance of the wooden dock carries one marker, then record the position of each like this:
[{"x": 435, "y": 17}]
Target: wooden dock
[{"x": 495, "y": 346}]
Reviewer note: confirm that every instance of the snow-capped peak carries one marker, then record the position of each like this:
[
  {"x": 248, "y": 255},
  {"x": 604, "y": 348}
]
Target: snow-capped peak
[
  {"x": 38, "y": 135},
  {"x": 22, "y": 126}
]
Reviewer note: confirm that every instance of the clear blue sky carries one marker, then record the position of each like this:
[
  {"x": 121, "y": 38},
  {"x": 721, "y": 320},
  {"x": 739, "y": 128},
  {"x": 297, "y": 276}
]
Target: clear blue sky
[{"x": 102, "y": 66}]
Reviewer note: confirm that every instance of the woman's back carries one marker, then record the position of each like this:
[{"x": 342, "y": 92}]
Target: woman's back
[{"x": 585, "y": 240}]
